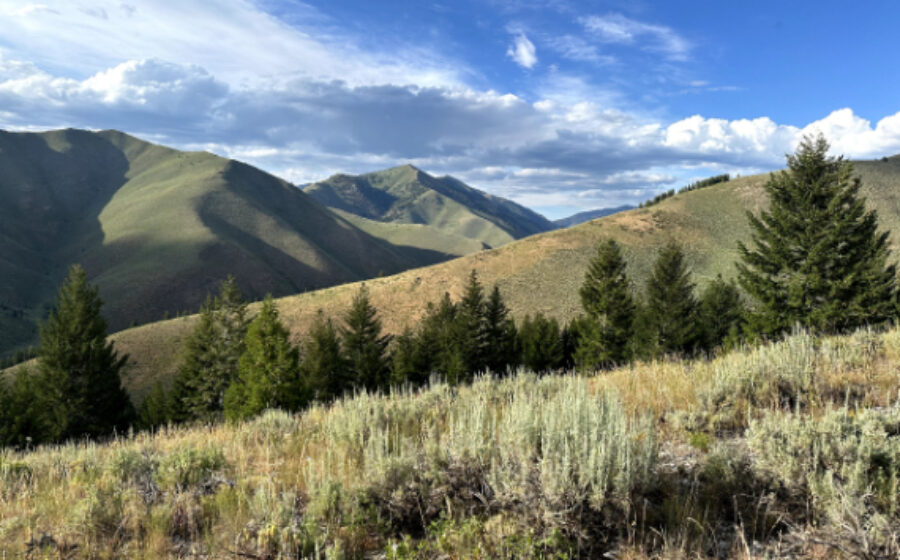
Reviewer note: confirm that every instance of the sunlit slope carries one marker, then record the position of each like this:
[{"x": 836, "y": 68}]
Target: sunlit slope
[
  {"x": 157, "y": 229},
  {"x": 447, "y": 206},
  {"x": 541, "y": 273}
]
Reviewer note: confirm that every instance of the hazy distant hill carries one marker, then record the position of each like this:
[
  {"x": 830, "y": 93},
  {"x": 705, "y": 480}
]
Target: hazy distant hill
[
  {"x": 543, "y": 272},
  {"x": 589, "y": 215},
  {"x": 409, "y": 207},
  {"x": 157, "y": 228}
]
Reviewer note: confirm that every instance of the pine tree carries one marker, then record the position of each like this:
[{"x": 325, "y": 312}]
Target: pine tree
[
  {"x": 324, "y": 370},
  {"x": 364, "y": 347},
  {"x": 541, "y": 344},
  {"x": 79, "y": 371},
  {"x": 671, "y": 305},
  {"x": 471, "y": 329},
  {"x": 609, "y": 309},
  {"x": 721, "y": 314},
  {"x": 269, "y": 369},
  {"x": 501, "y": 352},
  {"x": 211, "y": 357},
  {"x": 409, "y": 364},
  {"x": 154, "y": 411},
  {"x": 818, "y": 258},
  {"x": 21, "y": 411}
]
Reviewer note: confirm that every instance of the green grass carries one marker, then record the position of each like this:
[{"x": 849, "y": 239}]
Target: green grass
[{"x": 788, "y": 450}]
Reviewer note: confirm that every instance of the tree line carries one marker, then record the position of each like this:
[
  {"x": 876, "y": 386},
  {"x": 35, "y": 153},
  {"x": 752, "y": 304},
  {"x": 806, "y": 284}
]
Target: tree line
[{"x": 816, "y": 260}]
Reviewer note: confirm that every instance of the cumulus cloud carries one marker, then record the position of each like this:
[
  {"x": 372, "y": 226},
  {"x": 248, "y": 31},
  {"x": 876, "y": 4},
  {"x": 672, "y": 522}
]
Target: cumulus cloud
[
  {"x": 618, "y": 29},
  {"x": 522, "y": 51},
  {"x": 317, "y": 110}
]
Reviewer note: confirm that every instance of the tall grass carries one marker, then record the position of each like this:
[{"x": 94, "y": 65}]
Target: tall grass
[{"x": 791, "y": 448}]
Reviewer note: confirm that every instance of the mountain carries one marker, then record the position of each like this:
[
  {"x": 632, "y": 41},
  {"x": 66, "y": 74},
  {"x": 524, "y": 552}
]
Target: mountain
[
  {"x": 589, "y": 215},
  {"x": 156, "y": 229},
  {"x": 410, "y": 208},
  {"x": 542, "y": 273}
]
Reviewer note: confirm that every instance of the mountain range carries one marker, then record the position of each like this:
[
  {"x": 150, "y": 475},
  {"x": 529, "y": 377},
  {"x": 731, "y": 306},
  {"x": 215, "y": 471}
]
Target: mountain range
[{"x": 157, "y": 229}]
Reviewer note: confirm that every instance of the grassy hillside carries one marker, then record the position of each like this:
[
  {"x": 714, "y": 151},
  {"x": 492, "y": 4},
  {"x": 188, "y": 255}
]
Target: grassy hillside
[
  {"x": 540, "y": 273},
  {"x": 157, "y": 229},
  {"x": 453, "y": 217},
  {"x": 790, "y": 450}
]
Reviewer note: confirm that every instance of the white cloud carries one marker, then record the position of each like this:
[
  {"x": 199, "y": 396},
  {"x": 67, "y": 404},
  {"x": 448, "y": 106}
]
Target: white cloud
[
  {"x": 305, "y": 105},
  {"x": 618, "y": 29},
  {"x": 522, "y": 51}
]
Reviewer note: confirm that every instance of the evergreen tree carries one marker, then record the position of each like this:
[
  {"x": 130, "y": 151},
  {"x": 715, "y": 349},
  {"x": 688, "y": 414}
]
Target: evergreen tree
[
  {"x": 609, "y": 309},
  {"x": 721, "y": 314},
  {"x": 471, "y": 329},
  {"x": 671, "y": 305},
  {"x": 79, "y": 372},
  {"x": 324, "y": 370},
  {"x": 818, "y": 259},
  {"x": 501, "y": 352},
  {"x": 365, "y": 349},
  {"x": 22, "y": 414},
  {"x": 154, "y": 411},
  {"x": 541, "y": 343},
  {"x": 211, "y": 357},
  {"x": 409, "y": 363},
  {"x": 269, "y": 369},
  {"x": 437, "y": 345}
]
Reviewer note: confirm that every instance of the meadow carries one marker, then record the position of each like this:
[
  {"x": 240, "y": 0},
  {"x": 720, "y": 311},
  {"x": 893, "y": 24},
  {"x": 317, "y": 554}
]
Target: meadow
[{"x": 787, "y": 450}]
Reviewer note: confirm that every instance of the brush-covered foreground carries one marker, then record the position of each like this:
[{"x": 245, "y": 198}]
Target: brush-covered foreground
[{"x": 788, "y": 450}]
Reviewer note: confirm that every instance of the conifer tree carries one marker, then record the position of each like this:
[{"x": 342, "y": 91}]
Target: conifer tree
[
  {"x": 541, "y": 343},
  {"x": 80, "y": 387},
  {"x": 609, "y": 309},
  {"x": 817, "y": 257},
  {"x": 721, "y": 314},
  {"x": 211, "y": 356},
  {"x": 500, "y": 353},
  {"x": 364, "y": 347},
  {"x": 671, "y": 306},
  {"x": 437, "y": 345},
  {"x": 154, "y": 411},
  {"x": 410, "y": 362},
  {"x": 471, "y": 329},
  {"x": 324, "y": 370},
  {"x": 269, "y": 369}
]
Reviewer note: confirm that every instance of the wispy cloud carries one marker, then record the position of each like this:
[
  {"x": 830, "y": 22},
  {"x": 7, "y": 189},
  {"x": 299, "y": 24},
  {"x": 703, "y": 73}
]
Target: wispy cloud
[
  {"x": 316, "y": 105},
  {"x": 618, "y": 29},
  {"x": 522, "y": 51},
  {"x": 576, "y": 48}
]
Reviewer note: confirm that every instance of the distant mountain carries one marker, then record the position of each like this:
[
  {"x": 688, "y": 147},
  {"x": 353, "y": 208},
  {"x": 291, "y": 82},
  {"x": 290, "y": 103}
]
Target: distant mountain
[
  {"x": 543, "y": 273},
  {"x": 411, "y": 208},
  {"x": 157, "y": 229},
  {"x": 582, "y": 217}
]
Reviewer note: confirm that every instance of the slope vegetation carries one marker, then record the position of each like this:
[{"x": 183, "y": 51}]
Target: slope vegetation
[
  {"x": 157, "y": 229},
  {"x": 441, "y": 214},
  {"x": 541, "y": 273}
]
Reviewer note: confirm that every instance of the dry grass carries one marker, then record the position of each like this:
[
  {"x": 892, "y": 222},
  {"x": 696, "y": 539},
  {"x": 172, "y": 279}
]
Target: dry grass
[{"x": 659, "y": 460}]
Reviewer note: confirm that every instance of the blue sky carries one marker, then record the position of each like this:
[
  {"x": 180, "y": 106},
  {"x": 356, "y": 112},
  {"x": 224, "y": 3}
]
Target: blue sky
[{"x": 560, "y": 105}]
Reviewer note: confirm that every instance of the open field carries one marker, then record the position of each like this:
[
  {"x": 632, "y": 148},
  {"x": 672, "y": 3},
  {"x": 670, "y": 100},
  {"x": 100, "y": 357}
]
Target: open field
[{"x": 789, "y": 450}]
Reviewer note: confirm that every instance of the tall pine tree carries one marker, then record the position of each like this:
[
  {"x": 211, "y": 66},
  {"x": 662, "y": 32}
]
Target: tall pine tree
[
  {"x": 79, "y": 372},
  {"x": 324, "y": 370},
  {"x": 269, "y": 369},
  {"x": 607, "y": 332},
  {"x": 471, "y": 329},
  {"x": 541, "y": 343},
  {"x": 818, "y": 259},
  {"x": 211, "y": 356},
  {"x": 721, "y": 314},
  {"x": 671, "y": 308},
  {"x": 364, "y": 347},
  {"x": 500, "y": 354}
]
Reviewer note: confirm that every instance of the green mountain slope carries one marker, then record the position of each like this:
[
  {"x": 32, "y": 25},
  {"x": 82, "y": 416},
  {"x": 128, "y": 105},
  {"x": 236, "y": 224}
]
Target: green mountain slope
[
  {"x": 543, "y": 272},
  {"x": 157, "y": 229},
  {"x": 440, "y": 206}
]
